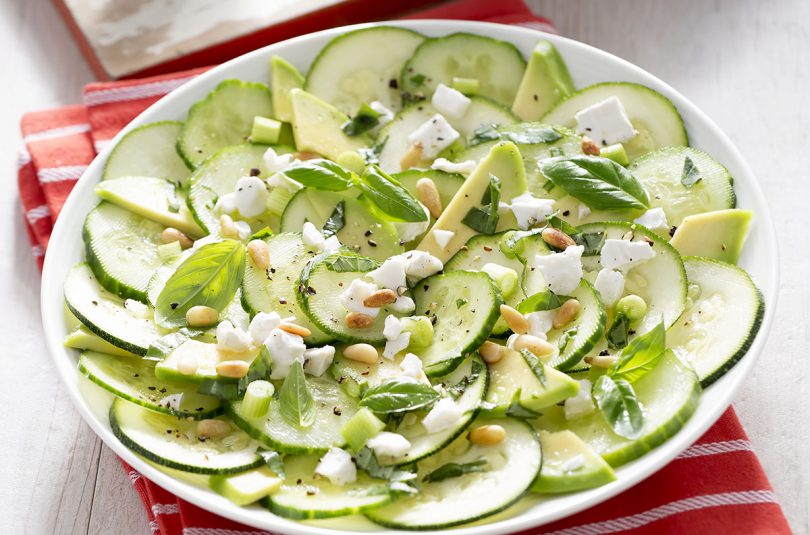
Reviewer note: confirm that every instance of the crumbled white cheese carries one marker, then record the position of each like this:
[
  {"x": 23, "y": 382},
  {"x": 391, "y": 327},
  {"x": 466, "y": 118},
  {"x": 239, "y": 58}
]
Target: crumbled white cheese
[
  {"x": 403, "y": 305},
  {"x": 388, "y": 444},
  {"x": 561, "y": 271},
  {"x": 610, "y": 285},
  {"x": 172, "y": 401},
  {"x": 331, "y": 244},
  {"x": 284, "y": 349},
  {"x": 311, "y": 236},
  {"x": 413, "y": 368},
  {"x": 421, "y": 264},
  {"x": 396, "y": 340},
  {"x": 226, "y": 203},
  {"x": 391, "y": 274},
  {"x": 352, "y": 297},
  {"x": 583, "y": 211},
  {"x": 653, "y": 219},
  {"x": 385, "y": 114},
  {"x": 337, "y": 466},
  {"x": 443, "y": 237},
  {"x": 137, "y": 309},
  {"x": 443, "y": 164},
  {"x": 434, "y": 135},
  {"x": 250, "y": 196},
  {"x": 444, "y": 415},
  {"x": 232, "y": 339},
  {"x": 581, "y": 404},
  {"x": 540, "y": 322},
  {"x": 450, "y": 102},
  {"x": 410, "y": 230},
  {"x": 393, "y": 327},
  {"x": 275, "y": 162},
  {"x": 574, "y": 463},
  {"x": 262, "y": 325},
  {"x": 605, "y": 122},
  {"x": 318, "y": 359},
  {"x": 280, "y": 180},
  {"x": 624, "y": 254},
  {"x": 530, "y": 210},
  {"x": 243, "y": 231}
]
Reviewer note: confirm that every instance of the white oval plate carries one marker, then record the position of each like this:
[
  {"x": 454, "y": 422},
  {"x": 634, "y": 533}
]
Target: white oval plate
[{"x": 588, "y": 65}]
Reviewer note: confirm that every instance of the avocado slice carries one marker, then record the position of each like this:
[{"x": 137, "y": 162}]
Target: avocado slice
[
  {"x": 83, "y": 338},
  {"x": 317, "y": 127},
  {"x": 246, "y": 487},
  {"x": 207, "y": 358},
  {"x": 545, "y": 82},
  {"x": 512, "y": 375},
  {"x": 570, "y": 465},
  {"x": 283, "y": 79},
  {"x": 503, "y": 161},
  {"x": 719, "y": 235}
]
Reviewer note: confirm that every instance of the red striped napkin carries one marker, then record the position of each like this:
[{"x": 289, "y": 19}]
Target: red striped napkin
[{"x": 715, "y": 486}]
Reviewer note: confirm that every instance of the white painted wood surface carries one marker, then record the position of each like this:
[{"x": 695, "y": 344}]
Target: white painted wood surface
[{"x": 745, "y": 62}]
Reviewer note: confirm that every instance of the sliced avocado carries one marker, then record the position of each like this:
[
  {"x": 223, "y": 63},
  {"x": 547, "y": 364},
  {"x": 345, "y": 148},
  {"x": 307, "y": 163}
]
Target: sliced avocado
[
  {"x": 570, "y": 465},
  {"x": 317, "y": 127},
  {"x": 545, "y": 82},
  {"x": 719, "y": 235},
  {"x": 246, "y": 487},
  {"x": 152, "y": 198},
  {"x": 284, "y": 77},
  {"x": 512, "y": 374},
  {"x": 503, "y": 161},
  {"x": 82, "y": 338}
]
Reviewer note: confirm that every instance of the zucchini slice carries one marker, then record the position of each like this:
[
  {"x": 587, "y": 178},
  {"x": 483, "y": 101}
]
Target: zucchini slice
[{"x": 149, "y": 150}]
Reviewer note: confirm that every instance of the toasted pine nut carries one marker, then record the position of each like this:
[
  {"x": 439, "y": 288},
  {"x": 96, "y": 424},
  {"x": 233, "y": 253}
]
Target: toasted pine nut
[
  {"x": 170, "y": 235},
  {"x": 516, "y": 321},
  {"x": 589, "y": 147},
  {"x": 292, "y": 328},
  {"x": 364, "y": 353},
  {"x": 533, "y": 344},
  {"x": 188, "y": 364},
  {"x": 403, "y": 289},
  {"x": 412, "y": 157},
  {"x": 380, "y": 298},
  {"x": 358, "y": 320},
  {"x": 212, "y": 428},
  {"x": 301, "y": 155},
  {"x": 601, "y": 361},
  {"x": 227, "y": 228},
  {"x": 557, "y": 238},
  {"x": 566, "y": 314},
  {"x": 428, "y": 194},
  {"x": 201, "y": 316},
  {"x": 487, "y": 435},
  {"x": 235, "y": 369},
  {"x": 629, "y": 235},
  {"x": 491, "y": 352},
  {"x": 259, "y": 253}
]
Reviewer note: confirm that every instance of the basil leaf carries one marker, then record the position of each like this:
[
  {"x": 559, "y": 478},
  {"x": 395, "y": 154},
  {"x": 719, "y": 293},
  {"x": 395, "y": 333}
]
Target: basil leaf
[
  {"x": 591, "y": 241},
  {"x": 641, "y": 355},
  {"x": 321, "y": 174},
  {"x": 485, "y": 220},
  {"x": 525, "y": 134},
  {"x": 535, "y": 366},
  {"x": 346, "y": 263},
  {"x": 554, "y": 221},
  {"x": 273, "y": 461},
  {"x": 598, "y": 182},
  {"x": 389, "y": 196},
  {"x": 262, "y": 234},
  {"x": 401, "y": 479},
  {"x": 619, "y": 406},
  {"x": 296, "y": 403},
  {"x": 399, "y": 395},
  {"x": 335, "y": 222},
  {"x": 460, "y": 303},
  {"x": 451, "y": 470},
  {"x": 545, "y": 300},
  {"x": 515, "y": 409},
  {"x": 690, "y": 174},
  {"x": 210, "y": 277},
  {"x": 364, "y": 120},
  {"x": 618, "y": 332},
  {"x": 458, "y": 389},
  {"x": 418, "y": 79},
  {"x": 219, "y": 389},
  {"x": 566, "y": 338}
]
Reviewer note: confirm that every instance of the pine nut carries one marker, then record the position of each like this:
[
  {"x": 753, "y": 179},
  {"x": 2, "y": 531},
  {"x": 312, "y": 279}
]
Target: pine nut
[
  {"x": 212, "y": 428},
  {"x": 227, "y": 228},
  {"x": 305, "y": 155},
  {"x": 566, "y": 314},
  {"x": 428, "y": 194},
  {"x": 292, "y": 328},
  {"x": 188, "y": 364},
  {"x": 487, "y": 435},
  {"x": 380, "y": 298},
  {"x": 557, "y": 238},
  {"x": 170, "y": 235},
  {"x": 516, "y": 321},
  {"x": 201, "y": 316},
  {"x": 364, "y": 353},
  {"x": 412, "y": 157},
  {"x": 534, "y": 345},
  {"x": 491, "y": 352},
  {"x": 259, "y": 253},
  {"x": 601, "y": 361},
  {"x": 235, "y": 369},
  {"x": 358, "y": 320},
  {"x": 589, "y": 147}
]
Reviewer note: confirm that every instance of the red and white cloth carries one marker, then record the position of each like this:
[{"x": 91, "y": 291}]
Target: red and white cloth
[{"x": 715, "y": 486}]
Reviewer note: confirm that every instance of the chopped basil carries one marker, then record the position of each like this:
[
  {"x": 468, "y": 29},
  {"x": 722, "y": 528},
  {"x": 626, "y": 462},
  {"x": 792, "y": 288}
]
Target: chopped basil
[
  {"x": 418, "y": 79},
  {"x": 451, "y": 470},
  {"x": 535, "y": 365},
  {"x": 460, "y": 303},
  {"x": 345, "y": 263},
  {"x": 526, "y": 134},
  {"x": 336, "y": 221},
  {"x": 591, "y": 241},
  {"x": 401, "y": 479},
  {"x": 364, "y": 120},
  {"x": 544, "y": 300},
  {"x": 484, "y": 220},
  {"x": 690, "y": 174},
  {"x": 618, "y": 332}
]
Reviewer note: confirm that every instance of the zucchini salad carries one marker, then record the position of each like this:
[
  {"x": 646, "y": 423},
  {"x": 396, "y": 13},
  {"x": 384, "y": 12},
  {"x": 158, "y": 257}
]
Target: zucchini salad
[{"x": 423, "y": 281}]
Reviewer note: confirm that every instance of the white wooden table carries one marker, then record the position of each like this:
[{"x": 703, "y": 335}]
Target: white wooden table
[{"x": 745, "y": 62}]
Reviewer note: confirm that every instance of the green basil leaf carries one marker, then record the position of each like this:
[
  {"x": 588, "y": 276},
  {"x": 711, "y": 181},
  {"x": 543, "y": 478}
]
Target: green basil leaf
[
  {"x": 641, "y": 355},
  {"x": 525, "y": 134},
  {"x": 566, "y": 338},
  {"x": 401, "y": 480},
  {"x": 364, "y": 120},
  {"x": 336, "y": 221},
  {"x": 418, "y": 79},
  {"x": 296, "y": 403},
  {"x": 390, "y": 197},
  {"x": 554, "y": 221},
  {"x": 273, "y": 461},
  {"x": 545, "y": 300},
  {"x": 535, "y": 365},
  {"x": 591, "y": 241},
  {"x": 451, "y": 470},
  {"x": 399, "y": 395},
  {"x": 618, "y": 332},
  {"x": 346, "y": 263},
  {"x": 321, "y": 174},
  {"x": 458, "y": 389},
  {"x": 619, "y": 406},
  {"x": 262, "y": 234},
  {"x": 515, "y": 409},
  {"x": 600, "y": 183},
  {"x": 226, "y": 390},
  {"x": 460, "y": 303},
  {"x": 485, "y": 220},
  {"x": 210, "y": 277},
  {"x": 690, "y": 174}
]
